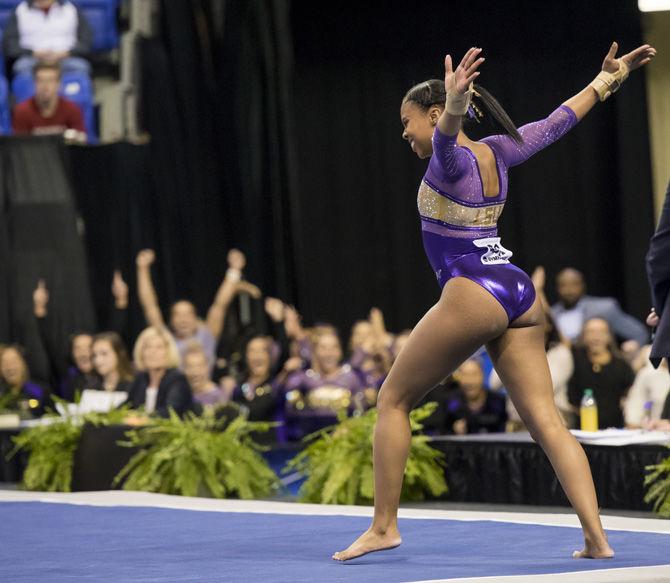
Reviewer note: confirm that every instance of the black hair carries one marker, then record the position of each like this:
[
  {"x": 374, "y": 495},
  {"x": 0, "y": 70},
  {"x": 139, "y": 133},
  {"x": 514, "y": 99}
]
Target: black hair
[{"x": 433, "y": 92}]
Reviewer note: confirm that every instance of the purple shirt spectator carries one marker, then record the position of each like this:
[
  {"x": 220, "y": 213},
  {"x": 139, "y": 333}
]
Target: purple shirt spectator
[{"x": 313, "y": 400}]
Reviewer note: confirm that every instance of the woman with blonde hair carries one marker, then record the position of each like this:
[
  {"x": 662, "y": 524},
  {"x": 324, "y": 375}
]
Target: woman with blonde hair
[{"x": 159, "y": 385}]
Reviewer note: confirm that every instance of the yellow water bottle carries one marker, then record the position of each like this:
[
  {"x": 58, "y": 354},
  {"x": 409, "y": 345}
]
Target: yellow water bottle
[{"x": 588, "y": 412}]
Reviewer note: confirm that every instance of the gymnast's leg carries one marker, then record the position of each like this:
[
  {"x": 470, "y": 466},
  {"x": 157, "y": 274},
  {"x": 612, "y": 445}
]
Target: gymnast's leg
[
  {"x": 520, "y": 360},
  {"x": 465, "y": 318}
]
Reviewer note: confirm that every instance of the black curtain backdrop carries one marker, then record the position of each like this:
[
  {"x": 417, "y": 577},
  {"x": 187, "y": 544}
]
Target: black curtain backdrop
[
  {"x": 275, "y": 128},
  {"x": 40, "y": 238}
]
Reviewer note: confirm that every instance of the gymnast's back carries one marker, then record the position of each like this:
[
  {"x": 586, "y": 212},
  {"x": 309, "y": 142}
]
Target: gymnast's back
[{"x": 451, "y": 198}]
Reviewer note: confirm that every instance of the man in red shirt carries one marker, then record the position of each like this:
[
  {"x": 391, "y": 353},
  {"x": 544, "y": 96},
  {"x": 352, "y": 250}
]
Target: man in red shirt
[{"x": 47, "y": 112}]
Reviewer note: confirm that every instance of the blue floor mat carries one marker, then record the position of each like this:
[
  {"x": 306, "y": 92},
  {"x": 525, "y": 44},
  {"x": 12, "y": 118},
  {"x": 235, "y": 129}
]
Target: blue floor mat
[{"x": 63, "y": 542}]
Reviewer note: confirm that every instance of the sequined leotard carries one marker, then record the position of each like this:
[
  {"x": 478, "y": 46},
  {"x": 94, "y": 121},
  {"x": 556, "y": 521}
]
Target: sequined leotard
[{"x": 459, "y": 223}]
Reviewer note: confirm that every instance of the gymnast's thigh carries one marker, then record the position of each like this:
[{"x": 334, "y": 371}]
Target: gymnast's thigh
[{"x": 466, "y": 317}]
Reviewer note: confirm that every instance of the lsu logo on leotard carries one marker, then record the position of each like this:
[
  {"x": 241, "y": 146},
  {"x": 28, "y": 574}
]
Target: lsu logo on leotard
[{"x": 496, "y": 254}]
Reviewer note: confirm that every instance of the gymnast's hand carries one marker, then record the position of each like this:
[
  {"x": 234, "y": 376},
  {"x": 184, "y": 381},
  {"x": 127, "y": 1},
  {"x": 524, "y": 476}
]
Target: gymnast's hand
[
  {"x": 635, "y": 59},
  {"x": 459, "y": 80}
]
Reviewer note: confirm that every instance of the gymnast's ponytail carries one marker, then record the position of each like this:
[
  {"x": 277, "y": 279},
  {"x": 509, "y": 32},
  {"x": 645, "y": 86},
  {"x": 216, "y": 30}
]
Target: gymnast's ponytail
[{"x": 432, "y": 92}]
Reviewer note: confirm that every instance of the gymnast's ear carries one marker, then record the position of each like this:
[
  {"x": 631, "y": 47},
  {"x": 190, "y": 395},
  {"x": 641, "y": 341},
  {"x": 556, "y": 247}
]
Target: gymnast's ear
[{"x": 434, "y": 114}]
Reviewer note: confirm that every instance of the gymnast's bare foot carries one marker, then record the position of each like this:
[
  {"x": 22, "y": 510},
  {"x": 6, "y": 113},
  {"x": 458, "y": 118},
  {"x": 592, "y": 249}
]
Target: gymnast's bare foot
[
  {"x": 595, "y": 551},
  {"x": 370, "y": 541}
]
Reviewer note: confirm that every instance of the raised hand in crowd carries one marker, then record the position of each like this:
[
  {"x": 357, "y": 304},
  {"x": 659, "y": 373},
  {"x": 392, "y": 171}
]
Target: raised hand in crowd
[
  {"x": 246, "y": 287},
  {"x": 293, "y": 324},
  {"x": 231, "y": 285},
  {"x": 653, "y": 319},
  {"x": 275, "y": 309},
  {"x": 40, "y": 299},
  {"x": 236, "y": 260},
  {"x": 145, "y": 289},
  {"x": 119, "y": 291}
]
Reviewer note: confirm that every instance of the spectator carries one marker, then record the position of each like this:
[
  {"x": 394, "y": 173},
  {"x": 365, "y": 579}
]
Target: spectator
[
  {"x": 473, "y": 409},
  {"x": 47, "y": 112},
  {"x": 650, "y": 389},
  {"x": 298, "y": 338},
  {"x": 662, "y": 424},
  {"x": 196, "y": 369},
  {"x": 53, "y": 31},
  {"x": 371, "y": 357},
  {"x": 184, "y": 322},
  {"x": 600, "y": 367},
  {"x": 17, "y": 390},
  {"x": 314, "y": 396},
  {"x": 71, "y": 370},
  {"x": 259, "y": 389},
  {"x": 574, "y": 308},
  {"x": 159, "y": 386},
  {"x": 111, "y": 362}
]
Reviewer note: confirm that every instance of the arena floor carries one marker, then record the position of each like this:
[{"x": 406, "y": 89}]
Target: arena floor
[{"x": 129, "y": 537}]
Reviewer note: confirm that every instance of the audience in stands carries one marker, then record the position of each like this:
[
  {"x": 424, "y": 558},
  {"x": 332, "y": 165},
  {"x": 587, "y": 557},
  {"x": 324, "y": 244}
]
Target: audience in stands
[
  {"x": 111, "y": 362},
  {"x": 47, "y": 112},
  {"x": 185, "y": 325},
  {"x": 51, "y": 31},
  {"x": 648, "y": 394},
  {"x": 196, "y": 368},
  {"x": 662, "y": 424},
  {"x": 159, "y": 385},
  {"x": 259, "y": 388},
  {"x": 71, "y": 370},
  {"x": 473, "y": 409},
  {"x": 315, "y": 396},
  {"x": 599, "y": 366},
  {"x": 18, "y": 392},
  {"x": 371, "y": 355},
  {"x": 574, "y": 308},
  {"x": 295, "y": 374}
]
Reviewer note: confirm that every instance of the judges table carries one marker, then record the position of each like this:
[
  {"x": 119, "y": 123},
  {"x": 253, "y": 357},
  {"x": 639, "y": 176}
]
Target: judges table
[
  {"x": 504, "y": 468},
  {"x": 510, "y": 468}
]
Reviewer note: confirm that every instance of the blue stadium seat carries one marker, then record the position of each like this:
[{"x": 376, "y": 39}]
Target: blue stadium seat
[
  {"x": 5, "y": 119},
  {"x": 6, "y": 9},
  {"x": 74, "y": 86},
  {"x": 101, "y": 15}
]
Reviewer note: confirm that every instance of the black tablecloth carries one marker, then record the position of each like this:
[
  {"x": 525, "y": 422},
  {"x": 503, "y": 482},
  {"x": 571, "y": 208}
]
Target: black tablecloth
[
  {"x": 512, "y": 469},
  {"x": 504, "y": 468},
  {"x": 11, "y": 470}
]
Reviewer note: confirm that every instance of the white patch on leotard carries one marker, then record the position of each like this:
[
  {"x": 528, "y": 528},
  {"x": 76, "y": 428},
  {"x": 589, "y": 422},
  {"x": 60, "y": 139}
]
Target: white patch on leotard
[{"x": 496, "y": 254}]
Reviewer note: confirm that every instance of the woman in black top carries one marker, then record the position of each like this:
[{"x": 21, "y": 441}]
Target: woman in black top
[
  {"x": 159, "y": 386},
  {"x": 598, "y": 366},
  {"x": 111, "y": 363}
]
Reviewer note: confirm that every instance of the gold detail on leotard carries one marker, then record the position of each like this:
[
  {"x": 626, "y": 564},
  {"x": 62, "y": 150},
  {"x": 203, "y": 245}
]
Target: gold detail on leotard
[{"x": 433, "y": 205}]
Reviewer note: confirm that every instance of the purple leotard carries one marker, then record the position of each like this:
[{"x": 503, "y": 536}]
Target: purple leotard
[{"x": 459, "y": 223}]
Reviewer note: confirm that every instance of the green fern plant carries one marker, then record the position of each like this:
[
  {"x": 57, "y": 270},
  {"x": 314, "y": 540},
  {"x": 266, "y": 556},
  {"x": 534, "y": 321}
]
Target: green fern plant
[
  {"x": 51, "y": 448},
  {"x": 658, "y": 484},
  {"x": 198, "y": 456},
  {"x": 338, "y": 462}
]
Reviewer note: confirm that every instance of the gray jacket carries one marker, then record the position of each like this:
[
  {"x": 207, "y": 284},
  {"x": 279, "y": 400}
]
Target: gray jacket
[{"x": 622, "y": 324}]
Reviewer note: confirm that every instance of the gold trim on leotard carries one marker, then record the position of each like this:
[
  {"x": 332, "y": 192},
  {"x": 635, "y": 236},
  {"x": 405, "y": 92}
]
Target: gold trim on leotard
[{"x": 433, "y": 205}]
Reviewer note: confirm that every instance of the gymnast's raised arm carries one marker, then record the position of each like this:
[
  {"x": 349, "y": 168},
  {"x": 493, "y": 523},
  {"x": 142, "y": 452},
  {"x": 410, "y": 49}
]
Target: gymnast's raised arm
[{"x": 540, "y": 134}]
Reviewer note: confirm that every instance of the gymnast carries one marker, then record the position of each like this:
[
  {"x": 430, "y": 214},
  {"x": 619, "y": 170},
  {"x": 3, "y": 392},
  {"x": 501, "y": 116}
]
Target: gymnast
[{"x": 485, "y": 300}]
